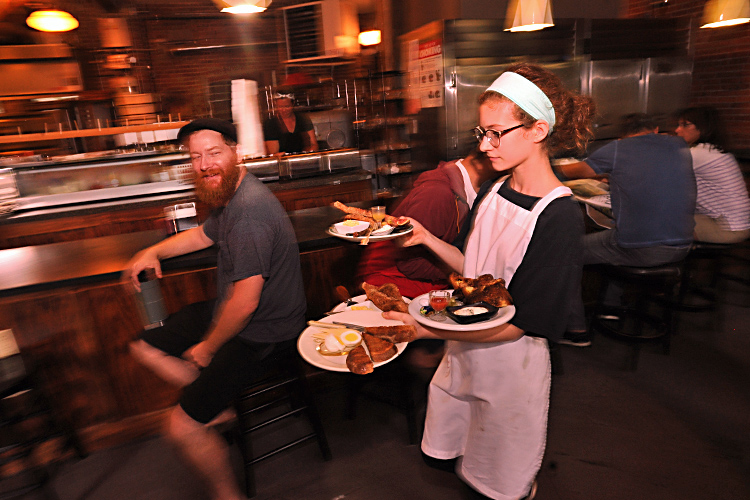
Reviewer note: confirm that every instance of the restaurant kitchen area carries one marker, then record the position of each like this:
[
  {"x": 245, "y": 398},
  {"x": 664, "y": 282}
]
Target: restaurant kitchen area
[{"x": 91, "y": 172}]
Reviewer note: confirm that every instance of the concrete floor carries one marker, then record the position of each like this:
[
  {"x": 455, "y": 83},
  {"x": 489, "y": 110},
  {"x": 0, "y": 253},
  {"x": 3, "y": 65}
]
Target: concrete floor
[{"x": 677, "y": 428}]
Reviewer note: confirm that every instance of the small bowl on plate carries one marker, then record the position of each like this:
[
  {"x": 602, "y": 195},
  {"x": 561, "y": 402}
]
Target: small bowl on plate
[
  {"x": 471, "y": 313},
  {"x": 350, "y": 226}
]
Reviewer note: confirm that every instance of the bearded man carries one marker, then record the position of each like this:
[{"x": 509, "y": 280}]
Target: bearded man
[{"x": 215, "y": 349}]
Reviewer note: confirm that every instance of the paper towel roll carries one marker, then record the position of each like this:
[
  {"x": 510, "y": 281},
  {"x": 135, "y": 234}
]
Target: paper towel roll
[{"x": 246, "y": 116}]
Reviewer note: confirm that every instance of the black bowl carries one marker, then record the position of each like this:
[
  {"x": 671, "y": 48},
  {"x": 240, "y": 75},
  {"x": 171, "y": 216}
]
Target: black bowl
[{"x": 471, "y": 318}]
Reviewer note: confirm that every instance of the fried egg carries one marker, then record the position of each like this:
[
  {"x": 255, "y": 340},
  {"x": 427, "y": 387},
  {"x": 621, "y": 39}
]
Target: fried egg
[{"x": 338, "y": 341}]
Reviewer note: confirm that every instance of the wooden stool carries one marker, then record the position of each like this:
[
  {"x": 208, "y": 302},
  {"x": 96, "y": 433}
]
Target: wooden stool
[
  {"x": 282, "y": 393},
  {"x": 635, "y": 321}
]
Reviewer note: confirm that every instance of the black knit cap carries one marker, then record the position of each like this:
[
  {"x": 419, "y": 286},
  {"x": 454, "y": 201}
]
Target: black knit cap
[{"x": 222, "y": 126}]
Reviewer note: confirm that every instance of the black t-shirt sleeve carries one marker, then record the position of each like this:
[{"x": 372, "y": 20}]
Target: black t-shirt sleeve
[{"x": 546, "y": 283}]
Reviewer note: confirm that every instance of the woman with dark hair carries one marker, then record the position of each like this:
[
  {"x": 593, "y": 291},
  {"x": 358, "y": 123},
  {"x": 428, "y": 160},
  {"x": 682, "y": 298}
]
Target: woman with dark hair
[
  {"x": 488, "y": 400},
  {"x": 722, "y": 211}
]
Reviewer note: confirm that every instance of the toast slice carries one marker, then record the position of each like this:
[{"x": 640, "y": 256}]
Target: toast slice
[
  {"x": 358, "y": 361},
  {"x": 380, "y": 350},
  {"x": 395, "y": 334}
]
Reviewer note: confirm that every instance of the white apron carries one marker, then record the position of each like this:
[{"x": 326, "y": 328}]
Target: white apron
[{"x": 488, "y": 402}]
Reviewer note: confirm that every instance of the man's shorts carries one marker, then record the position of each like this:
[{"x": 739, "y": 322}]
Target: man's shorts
[{"x": 234, "y": 366}]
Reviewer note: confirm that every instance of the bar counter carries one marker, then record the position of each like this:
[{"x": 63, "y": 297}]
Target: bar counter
[{"x": 71, "y": 314}]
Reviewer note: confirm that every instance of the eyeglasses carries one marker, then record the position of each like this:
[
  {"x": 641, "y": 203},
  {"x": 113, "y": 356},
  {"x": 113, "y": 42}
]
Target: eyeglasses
[
  {"x": 493, "y": 136},
  {"x": 684, "y": 123}
]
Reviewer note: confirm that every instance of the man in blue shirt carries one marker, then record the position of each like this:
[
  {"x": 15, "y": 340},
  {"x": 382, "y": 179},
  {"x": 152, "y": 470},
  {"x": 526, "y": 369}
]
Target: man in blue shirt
[{"x": 653, "y": 192}]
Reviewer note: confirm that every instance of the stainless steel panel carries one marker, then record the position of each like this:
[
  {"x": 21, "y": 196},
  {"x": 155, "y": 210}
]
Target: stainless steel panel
[
  {"x": 341, "y": 159},
  {"x": 668, "y": 83},
  {"x": 618, "y": 88},
  {"x": 263, "y": 168},
  {"x": 300, "y": 165},
  {"x": 461, "y": 107}
]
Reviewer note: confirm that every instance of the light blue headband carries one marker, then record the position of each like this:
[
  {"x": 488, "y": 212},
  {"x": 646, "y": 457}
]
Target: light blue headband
[{"x": 526, "y": 95}]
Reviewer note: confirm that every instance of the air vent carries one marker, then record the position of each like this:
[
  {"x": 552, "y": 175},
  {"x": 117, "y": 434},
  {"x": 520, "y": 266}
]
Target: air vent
[
  {"x": 323, "y": 29},
  {"x": 304, "y": 26}
]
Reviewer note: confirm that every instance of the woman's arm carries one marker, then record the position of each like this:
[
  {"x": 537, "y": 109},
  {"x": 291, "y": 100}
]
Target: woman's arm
[
  {"x": 311, "y": 140},
  {"x": 446, "y": 252},
  {"x": 502, "y": 333}
]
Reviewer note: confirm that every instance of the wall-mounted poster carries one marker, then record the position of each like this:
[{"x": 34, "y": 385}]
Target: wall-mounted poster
[{"x": 431, "y": 84}]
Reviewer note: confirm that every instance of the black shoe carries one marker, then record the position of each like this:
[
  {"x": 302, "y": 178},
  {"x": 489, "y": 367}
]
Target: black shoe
[{"x": 577, "y": 339}]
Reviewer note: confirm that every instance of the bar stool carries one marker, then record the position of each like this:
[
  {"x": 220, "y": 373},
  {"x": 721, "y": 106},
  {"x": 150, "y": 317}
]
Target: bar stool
[
  {"x": 395, "y": 384},
  {"x": 702, "y": 295},
  {"x": 268, "y": 404},
  {"x": 645, "y": 318}
]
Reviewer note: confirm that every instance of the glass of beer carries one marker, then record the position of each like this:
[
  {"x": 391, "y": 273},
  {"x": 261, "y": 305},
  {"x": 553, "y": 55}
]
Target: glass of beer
[
  {"x": 378, "y": 213},
  {"x": 439, "y": 300}
]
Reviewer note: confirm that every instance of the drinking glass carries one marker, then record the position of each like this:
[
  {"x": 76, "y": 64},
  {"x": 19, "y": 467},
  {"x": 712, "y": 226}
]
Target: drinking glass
[
  {"x": 439, "y": 300},
  {"x": 378, "y": 213}
]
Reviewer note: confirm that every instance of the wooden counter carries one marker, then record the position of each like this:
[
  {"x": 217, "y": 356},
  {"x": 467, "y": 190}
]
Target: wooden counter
[{"x": 68, "y": 309}]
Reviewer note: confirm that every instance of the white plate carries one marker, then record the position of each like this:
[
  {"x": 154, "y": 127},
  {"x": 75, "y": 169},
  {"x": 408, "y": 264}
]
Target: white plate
[
  {"x": 503, "y": 316},
  {"x": 374, "y": 237},
  {"x": 361, "y": 300},
  {"x": 307, "y": 346}
]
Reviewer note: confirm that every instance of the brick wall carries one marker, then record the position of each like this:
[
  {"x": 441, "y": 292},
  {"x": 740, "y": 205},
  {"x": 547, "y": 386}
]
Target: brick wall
[{"x": 721, "y": 75}]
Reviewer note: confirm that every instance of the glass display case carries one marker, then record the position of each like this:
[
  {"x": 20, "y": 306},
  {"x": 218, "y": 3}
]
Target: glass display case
[{"x": 97, "y": 177}]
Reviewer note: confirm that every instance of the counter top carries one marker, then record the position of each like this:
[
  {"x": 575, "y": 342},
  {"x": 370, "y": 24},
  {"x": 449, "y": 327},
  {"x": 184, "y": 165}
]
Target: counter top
[{"x": 44, "y": 267}]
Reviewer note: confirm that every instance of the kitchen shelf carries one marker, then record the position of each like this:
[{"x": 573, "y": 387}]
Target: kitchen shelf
[{"x": 93, "y": 132}]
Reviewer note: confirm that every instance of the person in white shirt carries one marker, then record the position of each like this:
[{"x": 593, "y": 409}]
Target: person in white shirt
[{"x": 722, "y": 211}]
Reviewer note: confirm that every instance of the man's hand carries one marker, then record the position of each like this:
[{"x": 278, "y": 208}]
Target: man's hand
[
  {"x": 200, "y": 354},
  {"x": 145, "y": 259}
]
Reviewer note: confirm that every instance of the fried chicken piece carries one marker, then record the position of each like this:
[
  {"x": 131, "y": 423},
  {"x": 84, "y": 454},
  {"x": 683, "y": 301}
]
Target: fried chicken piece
[
  {"x": 358, "y": 361},
  {"x": 382, "y": 300},
  {"x": 395, "y": 334}
]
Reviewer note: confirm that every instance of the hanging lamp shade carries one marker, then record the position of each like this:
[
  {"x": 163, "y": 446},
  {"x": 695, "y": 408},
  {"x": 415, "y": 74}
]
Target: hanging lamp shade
[
  {"x": 242, "y": 6},
  {"x": 719, "y": 13},
  {"x": 54, "y": 21},
  {"x": 528, "y": 15}
]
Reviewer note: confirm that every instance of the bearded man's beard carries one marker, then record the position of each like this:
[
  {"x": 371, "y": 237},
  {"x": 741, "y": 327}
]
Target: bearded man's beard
[{"x": 221, "y": 194}]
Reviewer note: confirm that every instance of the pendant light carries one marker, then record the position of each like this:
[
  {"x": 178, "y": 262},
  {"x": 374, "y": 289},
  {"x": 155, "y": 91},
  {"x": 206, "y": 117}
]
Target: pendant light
[
  {"x": 528, "y": 15},
  {"x": 53, "y": 21},
  {"x": 719, "y": 13},
  {"x": 242, "y": 6}
]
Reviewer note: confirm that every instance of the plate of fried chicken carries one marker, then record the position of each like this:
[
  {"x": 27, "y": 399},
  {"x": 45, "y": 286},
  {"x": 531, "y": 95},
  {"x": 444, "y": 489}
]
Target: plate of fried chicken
[{"x": 391, "y": 227}]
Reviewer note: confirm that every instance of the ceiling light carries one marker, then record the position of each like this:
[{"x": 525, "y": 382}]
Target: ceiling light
[
  {"x": 528, "y": 15},
  {"x": 371, "y": 37},
  {"x": 242, "y": 6},
  {"x": 51, "y": 21},
  {"x": 719, "y": 13}
]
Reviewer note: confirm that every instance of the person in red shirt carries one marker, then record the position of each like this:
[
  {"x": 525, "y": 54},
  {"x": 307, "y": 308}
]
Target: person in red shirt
[{"x": 441, "y": 200}]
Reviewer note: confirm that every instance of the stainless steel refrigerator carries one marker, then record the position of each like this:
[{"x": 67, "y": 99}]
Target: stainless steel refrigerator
[{"x": 450, "y": 63}]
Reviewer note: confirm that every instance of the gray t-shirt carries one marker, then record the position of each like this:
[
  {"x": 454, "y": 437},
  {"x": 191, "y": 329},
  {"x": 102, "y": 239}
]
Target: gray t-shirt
[{"x": 255, "y": 237}]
